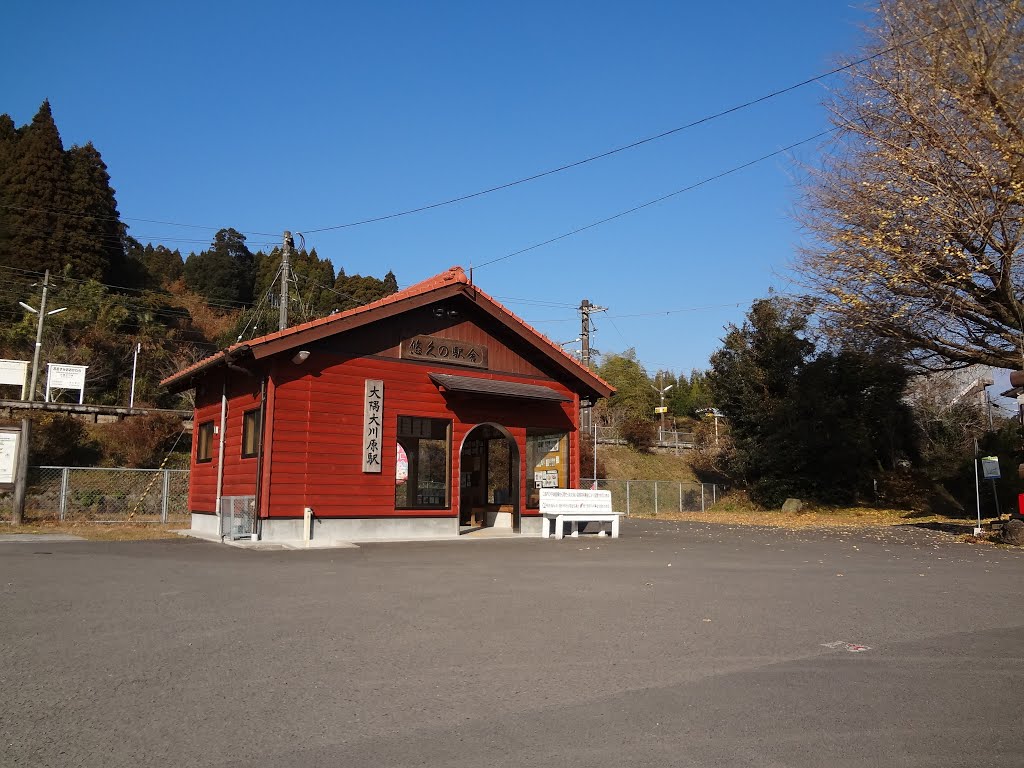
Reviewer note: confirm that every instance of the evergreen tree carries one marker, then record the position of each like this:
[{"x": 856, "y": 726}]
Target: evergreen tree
[
  {"x": 90, "y": 236},
  {"x": 152, "y": 267},
  {"x": 690, "y": 394},
  {"x": 357, "y": 290},
  {"x": 31, "y": 185},
  {"x": 225, "y": 272},
  {"x": 57, "y": 210},
  {"x": 8, "y": 147},
  {"x": 806, "y": 423}
]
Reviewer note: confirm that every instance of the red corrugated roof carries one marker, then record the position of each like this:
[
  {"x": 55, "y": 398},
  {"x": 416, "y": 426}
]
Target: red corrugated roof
[{"x": 452, "y": 276}]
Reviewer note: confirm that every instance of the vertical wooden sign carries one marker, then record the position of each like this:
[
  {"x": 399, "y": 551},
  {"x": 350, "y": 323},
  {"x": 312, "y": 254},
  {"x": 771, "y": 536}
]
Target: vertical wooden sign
[{"x": 373, "y": 432}]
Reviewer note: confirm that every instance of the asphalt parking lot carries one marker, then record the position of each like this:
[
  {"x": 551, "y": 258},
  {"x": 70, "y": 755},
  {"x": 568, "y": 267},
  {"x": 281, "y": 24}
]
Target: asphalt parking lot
[{"x": 678, "y": 644}]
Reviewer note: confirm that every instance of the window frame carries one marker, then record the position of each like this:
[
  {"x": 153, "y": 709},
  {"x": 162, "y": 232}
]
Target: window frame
[
  {"x": 251, "y": 420},
  {"x": 204, "y": 441},
  {"x": 446, "y": 503}
]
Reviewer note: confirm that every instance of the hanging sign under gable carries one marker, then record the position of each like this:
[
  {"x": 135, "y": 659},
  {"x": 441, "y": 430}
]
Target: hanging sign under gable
[
  {"x": 373, "y": 420},
  {"x": 449, "y": 351}
]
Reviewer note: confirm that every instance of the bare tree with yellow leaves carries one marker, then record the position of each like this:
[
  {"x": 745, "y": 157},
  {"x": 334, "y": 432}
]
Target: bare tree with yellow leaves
[{"x": 916, "y": 217}]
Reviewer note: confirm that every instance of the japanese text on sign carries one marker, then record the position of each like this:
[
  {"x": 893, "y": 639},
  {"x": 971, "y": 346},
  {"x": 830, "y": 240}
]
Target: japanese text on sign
[
  {"x": 449, "y": 351},
  {"x": 373, "y": 419},
  {"x": 60, "y": 376},
  {"x": 8, "y": 456}
]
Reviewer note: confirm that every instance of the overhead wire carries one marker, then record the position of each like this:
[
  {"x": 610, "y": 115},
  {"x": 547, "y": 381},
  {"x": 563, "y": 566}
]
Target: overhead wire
[
  {"x": 119, "y": 218},
  {"x": 533, "y": 177},
  {"x": 661, "y": 199},
  {"x": 632, "y": 145},
  {"x": 257, "y": 315},
  {"x": 222, "y": 304}
]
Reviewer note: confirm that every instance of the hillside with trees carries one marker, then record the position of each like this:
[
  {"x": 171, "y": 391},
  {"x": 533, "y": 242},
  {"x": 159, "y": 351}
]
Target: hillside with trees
[{"x": 58, "y": 212}]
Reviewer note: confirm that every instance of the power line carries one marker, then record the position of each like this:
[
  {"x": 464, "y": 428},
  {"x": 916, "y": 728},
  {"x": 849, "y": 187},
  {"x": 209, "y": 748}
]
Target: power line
[
  {"x": 256, "y": 312},
  {"x": 632, "y": 145},
  {"x": 57, "y": 212},
  {"x": 537, "y": 302},
  {"x": 662, "y": 313},
  {"x": 607, "y": 153},
  {"x": 649, "y": 203},
  {"x": 223, "y": 304}
]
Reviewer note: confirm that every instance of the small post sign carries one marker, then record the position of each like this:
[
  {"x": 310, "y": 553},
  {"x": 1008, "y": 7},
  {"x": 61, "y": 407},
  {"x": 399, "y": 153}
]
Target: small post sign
[
  {"x": 373, "y": 432},
  {"x": 9, "y": 439},
  {"x": 60, "y": 376},
  {"x": 661, "y": 409},
  {"x": 990, "y": 467}
]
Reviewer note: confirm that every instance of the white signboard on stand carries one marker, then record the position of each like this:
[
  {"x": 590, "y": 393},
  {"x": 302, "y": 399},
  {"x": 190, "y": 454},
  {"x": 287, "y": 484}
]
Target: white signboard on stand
[
  {"x": 66, "y": 377},
  {"x": 8, "y": 456},
  {"x": 15, "y": 373}
]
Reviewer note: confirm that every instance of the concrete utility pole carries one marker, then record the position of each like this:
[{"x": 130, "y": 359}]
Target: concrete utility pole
[
  {"x": 286, "y": 262},
  {"x": 586, "y": 308},
  {"x": 661, "y": 392},
  {"x": 39, "y": 336},
  {"x": 21, "y": 476}
]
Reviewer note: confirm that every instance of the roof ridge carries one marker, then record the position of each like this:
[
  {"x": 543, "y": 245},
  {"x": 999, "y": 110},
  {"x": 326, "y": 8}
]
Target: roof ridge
[{"x": 451, "y": 276}]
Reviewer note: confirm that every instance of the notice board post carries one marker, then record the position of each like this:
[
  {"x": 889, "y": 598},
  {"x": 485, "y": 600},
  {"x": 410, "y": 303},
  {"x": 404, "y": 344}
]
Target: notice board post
[{"x": 14, "y": 465}]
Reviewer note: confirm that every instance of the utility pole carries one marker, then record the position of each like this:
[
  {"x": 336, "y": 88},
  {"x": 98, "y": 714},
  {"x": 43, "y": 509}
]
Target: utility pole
[
  {"x": 21, "y": 476},
  {"x": 661, "y": 410},
  {"x": 586, "y": 308},
  {"x": 135, "y": 365},
  {"x": 286, "y": 261},
  {"x": 39, "y": 335}
]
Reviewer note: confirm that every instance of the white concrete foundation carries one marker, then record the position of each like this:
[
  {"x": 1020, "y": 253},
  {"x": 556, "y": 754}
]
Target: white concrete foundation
[
  {"x": 205, "y": 524},
  {"x": 531, "y": 525},
  {"x": 361, "y": 529},
  {"x": 325, "y": 530}
]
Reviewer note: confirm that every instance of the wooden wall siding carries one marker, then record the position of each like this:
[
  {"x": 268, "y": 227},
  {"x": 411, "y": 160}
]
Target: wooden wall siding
[
  {"x": 239, "y": 473},
  {"x": 317, "y": 433},
  {"x": 202, "y": 485},
  {"x": 506, "y": 353}
]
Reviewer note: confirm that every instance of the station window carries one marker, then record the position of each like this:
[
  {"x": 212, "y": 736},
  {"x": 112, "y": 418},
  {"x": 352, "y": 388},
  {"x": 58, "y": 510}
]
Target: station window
[
  {"x": 250, "y": 433},
  {"x": 204, "y": 442},
  {"x": 423, "y": 463},
  {"x": 547, "y": 459}
]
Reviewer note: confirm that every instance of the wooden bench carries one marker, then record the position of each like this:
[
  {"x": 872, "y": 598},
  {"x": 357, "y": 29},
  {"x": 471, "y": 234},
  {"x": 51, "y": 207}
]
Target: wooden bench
[{"x": 575, "y": 506}]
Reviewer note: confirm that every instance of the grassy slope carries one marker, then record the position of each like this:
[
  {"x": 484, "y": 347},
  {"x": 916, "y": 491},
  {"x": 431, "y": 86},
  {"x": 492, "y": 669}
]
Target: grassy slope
[{"x": 623, "y": 463}]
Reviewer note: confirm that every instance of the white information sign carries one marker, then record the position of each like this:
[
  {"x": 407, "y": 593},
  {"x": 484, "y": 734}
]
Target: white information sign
[
  {"x": 8, "y": 455},
  {"x": 373, "y": 425},
  {"x": 60, "y": 376},
  {"x": 15, "y": 373},
  {"x": 990, "y": 467}
]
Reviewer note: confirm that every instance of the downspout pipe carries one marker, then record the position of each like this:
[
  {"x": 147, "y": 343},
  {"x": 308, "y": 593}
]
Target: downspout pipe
[
  {"x": 257, "y": 517},
  {"x": 220, "y": 448}
]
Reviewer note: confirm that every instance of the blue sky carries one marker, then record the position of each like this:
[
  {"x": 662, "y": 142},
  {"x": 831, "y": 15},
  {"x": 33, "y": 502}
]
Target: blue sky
[{"x": 299, "y": 116}]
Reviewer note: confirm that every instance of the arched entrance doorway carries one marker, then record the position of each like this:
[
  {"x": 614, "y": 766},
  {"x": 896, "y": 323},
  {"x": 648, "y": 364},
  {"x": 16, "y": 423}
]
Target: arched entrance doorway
[{"x": 489, "y": 479}]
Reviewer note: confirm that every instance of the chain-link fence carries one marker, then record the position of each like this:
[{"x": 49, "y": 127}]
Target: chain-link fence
[
  {"x": 103, "y": 495},
  {"x": 653, "y": 497}
]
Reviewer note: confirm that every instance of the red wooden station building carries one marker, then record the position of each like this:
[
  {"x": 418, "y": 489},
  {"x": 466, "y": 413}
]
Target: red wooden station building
[{"x": 431, "y": 412}]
